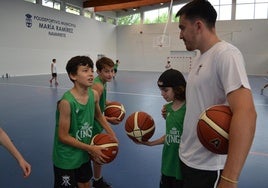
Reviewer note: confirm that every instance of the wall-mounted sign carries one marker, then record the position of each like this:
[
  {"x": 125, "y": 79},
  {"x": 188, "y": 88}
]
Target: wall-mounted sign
[{"x": 54, "y": 27}]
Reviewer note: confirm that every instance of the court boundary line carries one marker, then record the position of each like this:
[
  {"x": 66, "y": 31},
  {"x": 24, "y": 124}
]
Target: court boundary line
[
  {"x": 112, "y": 92},
  {"x": 63, "y": 88}
]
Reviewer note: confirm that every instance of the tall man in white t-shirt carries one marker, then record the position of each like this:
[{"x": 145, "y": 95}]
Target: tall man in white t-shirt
[{"x": 217, "y": 76}]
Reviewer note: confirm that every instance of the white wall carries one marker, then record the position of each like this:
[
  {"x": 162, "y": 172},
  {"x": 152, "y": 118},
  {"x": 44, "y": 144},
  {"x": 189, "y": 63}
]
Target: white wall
[
  {"x": 136, "y": 51},
  {"x": 27, "y": 51}
]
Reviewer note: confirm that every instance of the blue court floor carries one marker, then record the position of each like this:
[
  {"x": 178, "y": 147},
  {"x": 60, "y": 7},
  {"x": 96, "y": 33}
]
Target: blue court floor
[{"x": 27, "y": 114}]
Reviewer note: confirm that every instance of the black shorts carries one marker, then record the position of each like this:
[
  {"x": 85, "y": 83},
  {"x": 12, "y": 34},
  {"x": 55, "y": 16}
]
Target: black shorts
[
  {"x": 69, "y": 178},
  {"x": 195, "y": 178},
  {"x": 54, "y": 75},
  {"x": 170, "y": 182}
]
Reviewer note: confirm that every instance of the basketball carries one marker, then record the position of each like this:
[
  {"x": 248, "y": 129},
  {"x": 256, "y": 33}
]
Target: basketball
[
  {"x": 115, "y": 109},
  {"x": 107, "y": 141},
  {"x": 213, "y": 128},
  {"x": 139, "y": 126}
]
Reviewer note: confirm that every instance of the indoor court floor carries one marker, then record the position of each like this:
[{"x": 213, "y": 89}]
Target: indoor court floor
[{"x": 27, "y": 114}]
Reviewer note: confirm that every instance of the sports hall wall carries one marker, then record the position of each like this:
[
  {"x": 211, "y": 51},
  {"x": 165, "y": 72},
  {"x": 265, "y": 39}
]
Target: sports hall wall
[
  {"x": 136, "y": 48},
  {"x": 53, "y": 34},
  {"x": 56, "y": 34}
]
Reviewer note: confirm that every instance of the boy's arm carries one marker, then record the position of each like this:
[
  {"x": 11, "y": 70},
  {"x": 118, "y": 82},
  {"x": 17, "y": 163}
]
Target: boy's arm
[
  {"x": 99, "y": 88},
  {"x": 7, "y": 143},
  {"x": 112, "y": 120},
  {"x": 158, "y": 141},
  {"x": 101, "y": 118},
  {"x": 64, "y": 137},
  {"x": 51, "y": 68}
]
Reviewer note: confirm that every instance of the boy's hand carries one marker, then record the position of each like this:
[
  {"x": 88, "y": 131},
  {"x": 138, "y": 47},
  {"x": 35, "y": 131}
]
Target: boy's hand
[
  {"x": 113, "y": 120},
  {"x": 164, "y": 112},
  {"x": 147, "y": 143},
  {"x": 97, "y": 155}
]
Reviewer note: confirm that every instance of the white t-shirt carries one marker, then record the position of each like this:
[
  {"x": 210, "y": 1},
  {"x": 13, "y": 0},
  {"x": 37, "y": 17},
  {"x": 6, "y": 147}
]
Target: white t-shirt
[
  {"x": 214, "y": 74},
  {"x": 54, "y": 67}
]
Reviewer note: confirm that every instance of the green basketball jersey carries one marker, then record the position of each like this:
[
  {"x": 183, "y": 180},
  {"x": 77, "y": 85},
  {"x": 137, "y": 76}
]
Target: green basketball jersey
[
  {"x": 81, "y": 127},
  {"x": 174, "y": 127},
  {"x": 115, "y": 65},
  {"x": 102, "y": 102}
]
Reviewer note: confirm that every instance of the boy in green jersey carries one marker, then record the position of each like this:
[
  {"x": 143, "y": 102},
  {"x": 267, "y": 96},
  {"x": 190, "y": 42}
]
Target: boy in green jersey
[
  {"x": 105, "y": 70},
  {"x": 172, "y": 86},
  {"x": 74, "y": 128}
]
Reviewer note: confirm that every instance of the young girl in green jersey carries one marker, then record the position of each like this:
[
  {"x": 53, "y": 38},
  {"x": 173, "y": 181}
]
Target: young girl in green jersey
[
  {"x": 172, "y": 86},
  {"x": 75, "y": 116}
]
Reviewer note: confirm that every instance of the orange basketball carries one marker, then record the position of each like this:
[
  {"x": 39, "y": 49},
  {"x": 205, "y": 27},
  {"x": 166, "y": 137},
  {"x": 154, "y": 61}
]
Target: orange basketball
[
  {"x": 213, "y": 128},
  {"x": 140, "y": 126},
  {"x": 107, "y": 141},
  {"x": 115, "y": 109}
]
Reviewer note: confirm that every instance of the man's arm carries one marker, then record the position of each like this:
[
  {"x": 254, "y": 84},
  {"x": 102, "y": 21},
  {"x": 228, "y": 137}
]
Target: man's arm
[{"x": 242, "y": 130}]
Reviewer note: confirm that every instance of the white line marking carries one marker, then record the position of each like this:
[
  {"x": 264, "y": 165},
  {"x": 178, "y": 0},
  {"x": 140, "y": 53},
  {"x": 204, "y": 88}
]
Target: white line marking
[
  {"x": 63, "y": 88},
  {"x": 258, "y": 153}
]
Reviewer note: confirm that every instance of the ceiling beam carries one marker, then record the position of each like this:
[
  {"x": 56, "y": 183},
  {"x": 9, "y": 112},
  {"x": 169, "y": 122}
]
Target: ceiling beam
[
  {"x": 95, "y": 3},
  {"x": 128, "y": 5}
]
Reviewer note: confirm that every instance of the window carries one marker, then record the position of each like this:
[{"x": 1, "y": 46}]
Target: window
[
  {"x": 51, "y": 4},
  {"x": 156, "y": 16},
  {"x": 111, "y": 21},
  {"x": 223, "y": 9},
  {"x": 244, "y": 11},
  {"x": 88, "y": 14},
  {"x": 129, "y": 19},
  {"x": 251, "y": 9},
  {"x": 261, "y": 10},
  {"x": 175, "y": 9},
  {"x": 73, "y": 10},
  {"x": 99, "y": 18},
  {"x": 31, "y": 1}
]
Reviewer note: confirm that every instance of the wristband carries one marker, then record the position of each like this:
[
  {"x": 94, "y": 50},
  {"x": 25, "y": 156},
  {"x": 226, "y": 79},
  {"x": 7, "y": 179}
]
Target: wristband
[{"x": 229, "y": 180}]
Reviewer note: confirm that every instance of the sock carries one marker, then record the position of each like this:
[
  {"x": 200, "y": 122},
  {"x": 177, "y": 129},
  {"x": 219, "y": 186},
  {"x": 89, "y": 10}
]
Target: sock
[{"x": 97, "y": 179}]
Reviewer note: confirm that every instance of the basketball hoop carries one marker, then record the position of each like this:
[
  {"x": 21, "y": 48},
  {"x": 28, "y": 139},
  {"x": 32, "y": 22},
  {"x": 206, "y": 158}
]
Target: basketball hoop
[{"x": 161, "y": 41}]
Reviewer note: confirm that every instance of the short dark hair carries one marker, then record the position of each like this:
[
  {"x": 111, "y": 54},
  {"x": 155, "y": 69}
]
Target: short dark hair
[
  {"x": 75, "y": 62},
  {"x": 53, "y": 60},
  {"x": 104, "y": 61},
  {"x": 201, "y": 9}
]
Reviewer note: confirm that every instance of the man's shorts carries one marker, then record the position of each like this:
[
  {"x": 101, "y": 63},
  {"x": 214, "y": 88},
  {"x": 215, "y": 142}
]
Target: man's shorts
[
  {"x": 170, "y": 182},
  {"x": 195, "y": 178}
]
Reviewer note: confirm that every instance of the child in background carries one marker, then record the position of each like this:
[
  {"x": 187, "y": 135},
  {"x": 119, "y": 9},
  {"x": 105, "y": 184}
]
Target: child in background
[
  {"x": 168, "y": 65},
  {"x": 53, "y": 73},
  {"x": 75, "y": 116},
  {"x": 105, "y": 71},
  {"x": 7, "y": 143},
  {"x": 172, "y": 86},
  {"x": 116, "y": 67}
]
